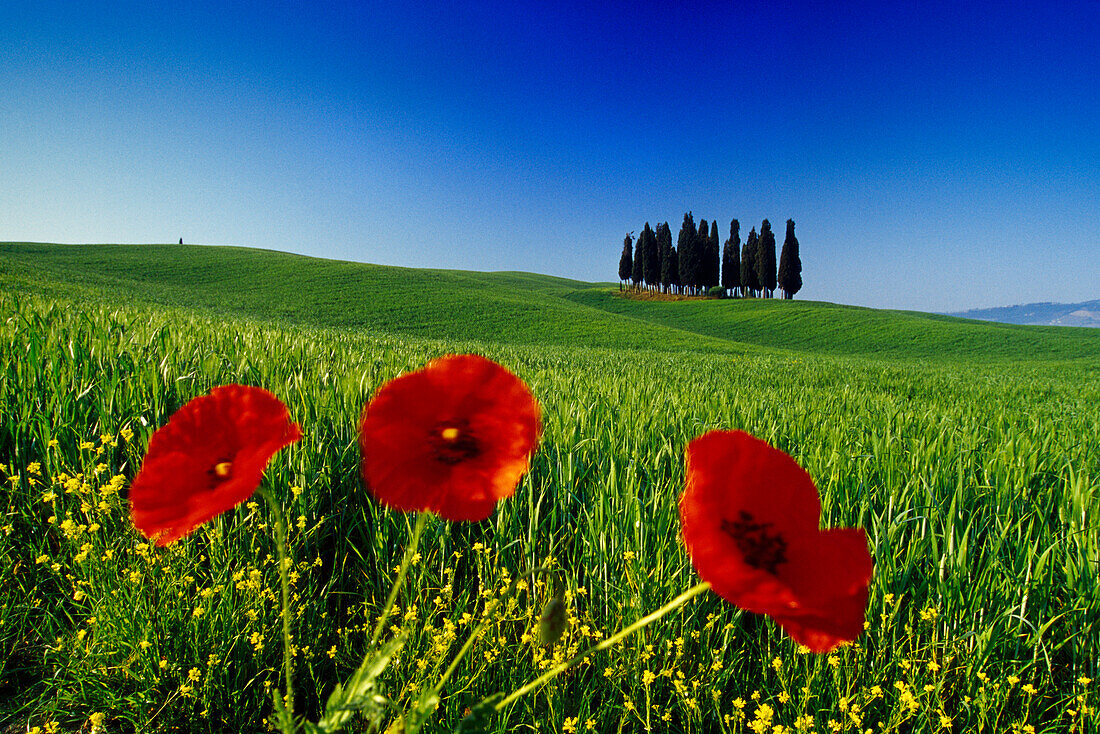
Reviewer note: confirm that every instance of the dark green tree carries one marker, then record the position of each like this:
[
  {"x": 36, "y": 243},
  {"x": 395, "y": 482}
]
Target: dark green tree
[
  {"x": 749, "y": 283},
  {"x": 664, "y": 249},
  {"x": 731, "y": 259},
  {"x": 685, "y": 247},
  {"x": 714, "y": 257},
  {"x": 651, "y": 263},
  {"x": 674, "y": 269},
  {"x": 765, "y": 259},
  {"x": 626, "y": 261},
  {"x": 790, "y": 265},
  {"x": 702, "y": 243},
  {"x": 636, "y": 270}
]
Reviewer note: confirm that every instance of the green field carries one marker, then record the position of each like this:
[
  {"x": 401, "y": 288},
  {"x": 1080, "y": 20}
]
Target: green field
[{"x": 967, "y": 450}]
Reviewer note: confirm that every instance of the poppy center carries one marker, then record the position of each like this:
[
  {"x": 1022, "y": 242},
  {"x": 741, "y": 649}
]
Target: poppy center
[
  {"x": 453, "y": 442},
  {"x": 220, "y": 472},
  {"x": 759, "y": 545}
]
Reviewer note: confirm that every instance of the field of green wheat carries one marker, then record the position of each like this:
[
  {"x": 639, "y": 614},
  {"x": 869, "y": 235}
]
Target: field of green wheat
[{"x": 968, "y": 453}]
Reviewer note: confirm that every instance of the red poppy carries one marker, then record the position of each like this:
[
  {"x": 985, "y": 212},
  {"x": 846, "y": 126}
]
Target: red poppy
[
  {"x": 750, "y": 522},
  {"x": 207, "y": 459},
  {"x": 451, "y": 438}
]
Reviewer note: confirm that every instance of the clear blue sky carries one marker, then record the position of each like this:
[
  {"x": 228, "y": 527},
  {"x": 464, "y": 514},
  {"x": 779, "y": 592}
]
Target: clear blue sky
[{"x": 934, "y": 157}]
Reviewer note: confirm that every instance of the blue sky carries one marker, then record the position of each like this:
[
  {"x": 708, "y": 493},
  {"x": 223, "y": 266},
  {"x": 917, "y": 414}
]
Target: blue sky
[{"x": 934, "y": 157}]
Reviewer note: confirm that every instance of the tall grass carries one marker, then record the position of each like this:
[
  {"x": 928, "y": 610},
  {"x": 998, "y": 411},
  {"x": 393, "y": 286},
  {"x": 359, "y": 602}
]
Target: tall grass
[{"x": 978, "y": 488}]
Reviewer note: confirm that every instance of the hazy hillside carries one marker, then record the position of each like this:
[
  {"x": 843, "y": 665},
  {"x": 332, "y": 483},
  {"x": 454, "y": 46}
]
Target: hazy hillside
[
  {"x": 508, "y": 308},
  {"x": 1086, "y": 313}
]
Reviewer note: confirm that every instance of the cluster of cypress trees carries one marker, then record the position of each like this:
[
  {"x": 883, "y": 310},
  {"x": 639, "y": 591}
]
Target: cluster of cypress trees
[{"x": 695, "y": 266}]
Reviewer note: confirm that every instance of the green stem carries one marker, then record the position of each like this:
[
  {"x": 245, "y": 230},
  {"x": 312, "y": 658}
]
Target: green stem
[
  {"x": 280, "y": 548},
  {"x": 604, "y": 644},
  {"x": 421, "y": 521}
]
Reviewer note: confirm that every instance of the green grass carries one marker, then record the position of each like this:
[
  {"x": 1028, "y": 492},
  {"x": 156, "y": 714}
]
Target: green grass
[
  {"x": 510, "y": 308},
  {"x": 978, "y": 484}
]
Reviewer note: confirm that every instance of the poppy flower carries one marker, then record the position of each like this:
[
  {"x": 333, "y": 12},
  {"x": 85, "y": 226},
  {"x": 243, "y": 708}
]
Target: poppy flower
[
  {"x": 207, "y": 459},
  {"x": 451, "y": 438},
  {"x": 750, "y": 518}
]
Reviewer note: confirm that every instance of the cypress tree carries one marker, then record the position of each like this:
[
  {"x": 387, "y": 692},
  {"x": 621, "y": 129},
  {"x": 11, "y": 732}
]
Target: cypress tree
[
  {"x": 749, "y": 283},
  {"x": 790, "y": 265},
  {"x": 636, "y": 271},
  {"x": 702, "y": 244},
  {"x": 626, "y": 262},
  {"x": 731, "y": 258},
  {"x": 651, "y": 263},
  {"x": 765, "y": 259},
  {"x": 714, "y": 256},
  {"x": 685, "y": 248},
  {"x": 674, "y": 269},
  {"x": 664, "y": 248}
]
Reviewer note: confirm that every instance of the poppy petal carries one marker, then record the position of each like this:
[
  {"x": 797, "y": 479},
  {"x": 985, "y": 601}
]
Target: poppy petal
[
  {"x": 832, "y": 586},
  {"x": 452, "y": 438},
  {"x": 749, "y": 517},
  {"x": 207, "y": 459}
]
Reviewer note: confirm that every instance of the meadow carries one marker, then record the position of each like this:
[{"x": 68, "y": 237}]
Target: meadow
[{"x": 967, "y": 451}]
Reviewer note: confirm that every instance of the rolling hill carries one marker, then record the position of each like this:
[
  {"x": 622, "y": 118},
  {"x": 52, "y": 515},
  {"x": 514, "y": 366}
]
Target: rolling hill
[
  {"x": 514, "y": 308},
  {"x": 1086, "y": 313}
]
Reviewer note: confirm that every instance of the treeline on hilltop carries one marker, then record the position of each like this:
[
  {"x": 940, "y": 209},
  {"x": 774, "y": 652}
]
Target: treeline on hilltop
[{"x": 696, "y": 266}]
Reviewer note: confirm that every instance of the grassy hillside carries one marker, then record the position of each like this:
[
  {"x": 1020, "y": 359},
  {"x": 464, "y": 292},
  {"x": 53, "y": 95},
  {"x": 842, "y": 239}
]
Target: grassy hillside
[
  {"x": 977, "y": 486},
  {"x": 513, "y": 308},
  {"x": 516, "y": 308},
  {"x": 829, "y": 328}
]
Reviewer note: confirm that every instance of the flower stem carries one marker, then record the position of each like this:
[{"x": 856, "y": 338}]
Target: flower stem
[
  {"x": 280, "y": 548},
  {"x": 421, "y": 521},
  {"x": 604, "y": 644}
]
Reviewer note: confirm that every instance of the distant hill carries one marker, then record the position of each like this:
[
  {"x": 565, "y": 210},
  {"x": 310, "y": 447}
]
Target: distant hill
[
  {"x": 1086, "y": 313},
  {"x": 507, "y": 308}
]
